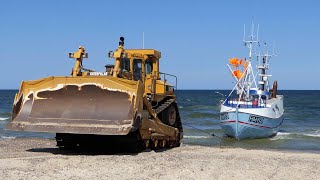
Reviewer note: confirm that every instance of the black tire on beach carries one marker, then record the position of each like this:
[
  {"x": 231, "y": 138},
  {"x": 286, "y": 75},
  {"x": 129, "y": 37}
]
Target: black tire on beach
[
  {"x": 135, "y": 143},
  {"x": 170, "y": 116}
]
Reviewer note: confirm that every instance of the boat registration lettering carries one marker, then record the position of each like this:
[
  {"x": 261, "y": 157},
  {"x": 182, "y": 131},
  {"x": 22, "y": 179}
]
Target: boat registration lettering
[
  {"x": 224, "y": 116},
  {"x": 256, "y": 119}
]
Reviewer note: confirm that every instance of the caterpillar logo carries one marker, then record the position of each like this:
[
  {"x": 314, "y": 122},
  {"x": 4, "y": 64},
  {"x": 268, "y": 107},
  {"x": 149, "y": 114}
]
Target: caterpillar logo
[{"x": 98, "y": 74}]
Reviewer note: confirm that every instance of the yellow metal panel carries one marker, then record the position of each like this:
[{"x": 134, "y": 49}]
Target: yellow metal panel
[{"x": 152, "y": 52}]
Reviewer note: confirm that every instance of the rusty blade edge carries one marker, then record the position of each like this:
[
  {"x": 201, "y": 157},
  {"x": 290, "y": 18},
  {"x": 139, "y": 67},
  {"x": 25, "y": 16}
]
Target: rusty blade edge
[
  {"x": 102, "y": 120},
  {"x": 72, "y": 125}
]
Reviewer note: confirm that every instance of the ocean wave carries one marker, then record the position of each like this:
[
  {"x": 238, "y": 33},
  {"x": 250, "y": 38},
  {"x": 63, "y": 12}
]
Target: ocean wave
[
  {"x": 203, "y": 115},
  {"x": 313, "y": 135},
  {"x": 202, "y": 109},
  {"x": 287, "y": 135},
  {"x": 3, "y": 118},
  {"x": 7, "y": 137},
  {"x": 217, "y": 92},
  {"x": 281, "y": 135},
  {"x": 197, "y": 137}
]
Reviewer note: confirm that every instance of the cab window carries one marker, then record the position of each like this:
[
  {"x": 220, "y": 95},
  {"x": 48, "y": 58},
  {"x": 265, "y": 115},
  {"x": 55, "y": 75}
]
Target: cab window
[
  {"x": 125, "y": 64},
  {"x": 149, "y": 66},
  {"x": 137, "y": 69}
]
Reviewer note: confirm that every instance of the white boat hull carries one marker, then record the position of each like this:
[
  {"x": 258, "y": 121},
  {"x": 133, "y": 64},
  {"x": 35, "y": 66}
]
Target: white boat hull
[{"x": 247, "y": 122}]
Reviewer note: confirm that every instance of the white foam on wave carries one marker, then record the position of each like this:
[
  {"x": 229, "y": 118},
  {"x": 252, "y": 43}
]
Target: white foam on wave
[
  {"x": 217, "y": 92},
  {"x": 281, "y": 135},
  {"x": 285, "y": 135},
  {"x": 7, "y": 137},
  {"x": 197, "y": 137},
  {"x": 313, "y": 134},
  {"x": 3, "y": 119}
]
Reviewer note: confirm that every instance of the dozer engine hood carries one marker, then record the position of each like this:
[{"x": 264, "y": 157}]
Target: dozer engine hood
[{"x": 102, "y": 105}]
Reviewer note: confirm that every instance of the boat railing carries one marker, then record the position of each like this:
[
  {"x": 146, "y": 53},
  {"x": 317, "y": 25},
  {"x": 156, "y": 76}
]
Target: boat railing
[{"x": 234, "y": 102}]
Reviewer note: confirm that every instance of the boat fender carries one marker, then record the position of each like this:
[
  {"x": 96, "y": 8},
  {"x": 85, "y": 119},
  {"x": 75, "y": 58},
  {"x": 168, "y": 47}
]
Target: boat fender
[{"x": 274, "y": 89}]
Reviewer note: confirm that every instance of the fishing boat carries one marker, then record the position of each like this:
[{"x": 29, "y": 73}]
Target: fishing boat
[{"x": 252, "y": 109}]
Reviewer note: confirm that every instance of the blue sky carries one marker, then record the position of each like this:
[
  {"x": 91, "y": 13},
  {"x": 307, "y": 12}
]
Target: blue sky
[{"x": 196, "y": 38}]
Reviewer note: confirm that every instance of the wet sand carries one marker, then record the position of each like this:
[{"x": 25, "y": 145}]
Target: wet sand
[{"x": 40, "y": 159}]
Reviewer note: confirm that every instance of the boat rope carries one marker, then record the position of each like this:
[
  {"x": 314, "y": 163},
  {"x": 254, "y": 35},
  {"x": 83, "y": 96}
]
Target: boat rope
[{"x": 211, "y": 134}]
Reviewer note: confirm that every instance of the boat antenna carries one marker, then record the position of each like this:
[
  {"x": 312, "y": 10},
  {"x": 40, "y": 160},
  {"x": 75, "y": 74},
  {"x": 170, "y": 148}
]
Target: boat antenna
[
  {"x": 258, "y": 34},
  {"x": 252, "y": 28},
  {"x": 142, "y": 40},
  {"x": 274, "y": 46},
  {"x": 252, "y": 39},
  {"x": 249, "y": 43},
  {"x": 244, "y": 34}
]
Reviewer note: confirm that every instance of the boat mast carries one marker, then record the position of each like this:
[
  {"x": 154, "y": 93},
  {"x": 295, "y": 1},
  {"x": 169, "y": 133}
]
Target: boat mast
[
  {"x": 264, "y": 83},
  {"x": 249, "y": 43}
]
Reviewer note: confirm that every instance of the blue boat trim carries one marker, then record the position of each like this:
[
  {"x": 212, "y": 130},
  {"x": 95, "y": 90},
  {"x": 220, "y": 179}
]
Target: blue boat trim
[
  {"x": 256, "y": 125},
  {"x": 245, "y": 129}
]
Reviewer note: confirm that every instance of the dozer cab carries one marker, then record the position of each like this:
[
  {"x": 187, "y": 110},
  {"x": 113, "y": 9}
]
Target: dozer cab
[{"x": 128, "y": 104}]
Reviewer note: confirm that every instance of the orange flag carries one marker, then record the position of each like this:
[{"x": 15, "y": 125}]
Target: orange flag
[
  {"x": 237, "y": 73},
  {"x": 234, "y": 62}
]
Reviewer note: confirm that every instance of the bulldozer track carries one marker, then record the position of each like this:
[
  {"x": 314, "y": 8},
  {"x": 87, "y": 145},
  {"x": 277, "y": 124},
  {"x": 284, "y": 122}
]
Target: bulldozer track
[{"x": 164, "y": 105}]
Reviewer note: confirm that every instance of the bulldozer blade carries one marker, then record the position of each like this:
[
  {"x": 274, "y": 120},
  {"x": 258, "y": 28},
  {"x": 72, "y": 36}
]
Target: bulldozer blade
[{"x": 74, "y": 107}]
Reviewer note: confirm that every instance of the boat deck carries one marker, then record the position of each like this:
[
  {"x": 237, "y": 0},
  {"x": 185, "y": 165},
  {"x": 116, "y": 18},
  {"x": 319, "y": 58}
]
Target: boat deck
[
  {"x": 252, "y": 104},
  {"x": 244, "y": 104}
]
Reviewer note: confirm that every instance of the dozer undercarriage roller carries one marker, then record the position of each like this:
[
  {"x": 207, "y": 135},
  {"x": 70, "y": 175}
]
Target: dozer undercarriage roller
[
  {"x": 162, "y": 134},
  {"x": 171, "y": 117}
]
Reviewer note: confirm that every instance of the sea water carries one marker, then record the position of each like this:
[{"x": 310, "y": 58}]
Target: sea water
[{"x": 199, "y": 111}]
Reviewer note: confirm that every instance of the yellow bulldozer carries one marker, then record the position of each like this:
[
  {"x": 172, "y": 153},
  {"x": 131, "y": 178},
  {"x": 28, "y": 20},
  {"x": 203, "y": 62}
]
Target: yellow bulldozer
[{"x": 130, "y": 104}]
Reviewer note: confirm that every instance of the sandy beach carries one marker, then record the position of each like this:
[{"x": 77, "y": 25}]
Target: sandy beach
[{"x": 40, "y": 159}]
